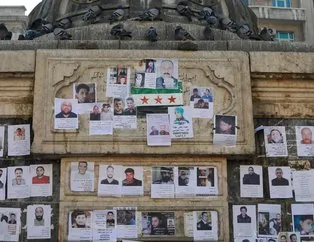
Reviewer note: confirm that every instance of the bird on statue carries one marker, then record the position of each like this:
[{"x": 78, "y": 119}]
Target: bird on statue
[
  {"x": 47, "y": 28},
  {"x": 117, "y": 15},
  {"x": 228, "y": 24},
  {"x": 119, "y": 32},
  {"x": 21, "y": 37},
  {"x": 92, "y": 14},
  {"x": 150, "y": 14},
  {"x": 65, "y": 23},
  {"x": 32, "y": 34},
  {"x": 181, "y": 34},
  {"x": 213, "y": 22},
  {"x": 5, "y": 34},
  {"x": 244, "y": 31},
  {"x": 208, "y": 33},
  {"x": 151, "y": 34},
  {"x": 205, "y": 13},
  {"x": 61, "y": 34},
  {"x": 184, "y": 9},
  {"x": 266, "y": 34}
]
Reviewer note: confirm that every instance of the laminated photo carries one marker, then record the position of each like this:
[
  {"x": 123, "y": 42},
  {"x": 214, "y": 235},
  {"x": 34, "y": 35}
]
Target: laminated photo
[
  {"x": 10, "y": 224},
  {"x": 118, "y": 81},
  {"x": 18, "y": 182},
  {"x": 304, "y": 139},
  {"x": 3, "y": 182},
  {"x": 185, "y": 181},
  {"x": 269, "y": 220},
  {"x": 201, "y": 102},
  {"x": 162, "y": 185},
  {"x": 82, "y": 176},
  {"x": 86, "y": 96},
  {"x": 124, "y": 115},
  {"x": 104, "y": 225},
  {"x": 303, "y": 219},
  {"x": 42, "y": 180},
  {"x": 66, "y": 114},
  {"x": 110, "y": 177},
  {"x": 303, "y": 181},
  {"x": 158, "y": 130},
  {"x": 206, "y": 181},
  {"x": 244, "y": 220},
  {"x": 126, "y": 223},
  {"x": 205, "y": 226},
  {"x": 181, "y": 123},
  {"x": 80, "y": 225},
  {"x": 1, "y": 140},
  {"x": 158, "y": 224},
  {"x": 275, "y": 141},
  {"x": 38, "y": 222},
  {"x": 19, "y": 140},
  {"x": 251, "y": 181},
  {"x": 132, "y": 183},
  {"x": 280, "y": 182}
]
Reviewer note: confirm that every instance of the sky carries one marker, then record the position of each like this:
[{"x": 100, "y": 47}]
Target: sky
[{"x": 29, "y": 4}]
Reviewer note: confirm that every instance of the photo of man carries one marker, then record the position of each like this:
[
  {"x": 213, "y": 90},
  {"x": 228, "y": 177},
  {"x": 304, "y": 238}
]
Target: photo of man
[
  {"x": 19, "y": 134},
  {"x": 179, "y": 115},
  {"x": 200, "y": 104},
  {"x": 40, "y": 177},
  {"x": 158, "y": 223},
  {"x": 126, "y": 217},
  {"x": 94, "y": 115},
  {"x": 39, "y": 217},
  {"x": 154, "y": 131},
  {"x": 304, "y": 224},
  {"x": 66, "y": 110},
  {"x": 163, "y": 130},
  {"x": 110, "y": 179},
  {"x": 183, "y": 176},
  {"x": 81, "y": 173},
  {"x": 275, "y": 225},
  {"x": 204, "y": 223},
  {"x": 207, "y": 95},
  {"x": 243, "y": 217},
  {"x": 118, "y": 106},
  {"x": 12, "y": 219},
  {"x": 225, "y": 124},
  {"x": 85, "y": 93},
  {"x": 166, "y": 174},
  {"x": 279, "y": 180},
  {"x": 293, "y": 238},
  {"x": 306, "y": 135},
  {"x": 110, "y": 221},
  {"x": 195, "y": 94},
  {"x": 79, "y": 219},
  {"x": 130, "y": 110},
  {"x": 251, "y": 178},
  {"x": 18, "y": 180},
  {"x": 166, "y": 80},
  {"x": 130, "y": 180},
  {"x": 106, "y": 113}
]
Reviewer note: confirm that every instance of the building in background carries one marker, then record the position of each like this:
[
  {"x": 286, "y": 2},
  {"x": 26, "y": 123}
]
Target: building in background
[
  {"x": 14, "y": 19},
  {"x": 293, "y": 20}
]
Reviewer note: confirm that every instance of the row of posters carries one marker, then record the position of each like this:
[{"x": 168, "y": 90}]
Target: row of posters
[
  {"x": 282, "y": 181},
  {"x": 126, "y": 223},
  {"x": 38, "y": 222},
  {"x": 268, "y": 223},
  {"x": 166, "y": 182},
  {"x": 276, "y": 141},
  {"x": 26, "y": 181},
  {"x": 18, "y": 140}
]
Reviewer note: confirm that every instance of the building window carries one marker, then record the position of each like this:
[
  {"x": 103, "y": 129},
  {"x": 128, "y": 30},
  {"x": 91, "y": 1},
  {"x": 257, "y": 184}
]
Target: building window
[
  {"x": 284, "y": 36},
  {"x": 281, "y": 3}
]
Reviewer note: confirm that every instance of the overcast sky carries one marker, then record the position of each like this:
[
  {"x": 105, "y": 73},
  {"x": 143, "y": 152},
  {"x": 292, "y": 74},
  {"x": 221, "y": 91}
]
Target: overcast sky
[{"x": 29, "y": 4}]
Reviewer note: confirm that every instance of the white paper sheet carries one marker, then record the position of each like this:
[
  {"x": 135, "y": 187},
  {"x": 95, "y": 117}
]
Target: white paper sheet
[
  {"x": 109, "y": 183},
  {"x": 38, "y": 222},
  {"x": 244, "y": 220},
  {"x": 80, "y": 222},
  {"x": 303, "y": 185},
  {"x": 251, "y": 181},
  {"x": 302, "y": 219},
  {"x": 126, "y": 223},
  {"x": 269, "y": 220},
  {"x": 225, "y": 132},
  {"x": 280, "y": 182},
  {"x": 275, "y": 141},
  {"x": 118, "y": 82},
  {"x": 158, "y": 130},
  {"x": 304, "y": 139},
  {"x": 10, "y": 226},
  {"x": 1, "y": 140},
  {"x": 18, "y": 182},
  {"x": 185, "y": 181},
  {"x": 82, "y": 176},
  {"x": 104, "y": 225},
  {"x": 19, "y": 140},
  {"x": 181, "y": 123},
  {"x": 3, "y": 181},
  {"x": 201, "y": 102},
  {"x": 188, "y": 224},
  {"x": 206, "y": 180},
  {"x": 86, "y": 95},
  {"x": 205, "y": 226},
  {"x": 42, "y": 180},
  {"x": 162, "y": 182},
  {"x": 132, "y": 182},
  {"x": 66, "y": 114}
]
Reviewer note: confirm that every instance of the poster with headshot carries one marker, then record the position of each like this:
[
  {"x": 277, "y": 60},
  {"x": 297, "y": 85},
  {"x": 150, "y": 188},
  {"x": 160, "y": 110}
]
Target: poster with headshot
[
  {"x": 181, "y": 123},
  {"x": 10, "y": 224},
  {"x": 244, "y": 220},
  {"x": 86, "y": 96},
  {"x": 185, "y": 181},
  {"x": 118, "y": 81},
  {"x": 80, "y": 225},
  {"x": 251, "y": 181},
  {"x": 18, "y": 182},
  {"x": 1, "y": 140},
  {"x": 275, "y": 141},
  {"x": 289, "y": 237},
  {"x": 42, "y": 180},
  {"x": 303, "y": 185},
  {"x": 205, "y": 226},
  {"x": 124, "y": 113},
  {"x": 304, "y": 139},
  {"x": 38, "y": 221},
  {"x": 158, "y": 130},
  {"x": 201, "y": 102},
  {"x": 126, "y": 223},
  {"x": 280, "y": 182},
  {"x": 206, "y": 181},
  {"x": 66, "y": 114},
  {"x": 132, "y": 181},
  {"x": 225, "y": 131},
  {"x": 188, "y": 224},
  {"x": 248, "y": 239},
  {"x": 109, "y": 183},
  {"x": 162, "y": 185},
  {"x": 104, "y": 225},
  {"x": 3, "y": 182},
  {"x": 303, "y": 219},
  {"x": 82, "y": 176},
  {"x": 158, "y": 224},
  {"x": 101, "y": 119},
  {"x": 19, "y": 140},
  {"x": 269, "y": 220}
]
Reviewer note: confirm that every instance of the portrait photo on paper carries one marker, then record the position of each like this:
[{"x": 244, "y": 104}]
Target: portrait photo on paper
[
  {"x": 84, "y": 92},
  {"x": 275, "y": 141},
  {"x": 304, "y": 140},
  {"x": 280, "y": 182},
  {"x": 269, "y": 220},
  {"x": 244, "y": 220},
  {"x": 167, "y": 74},
  {"x": 158, "y": 223},
  {"x": 251, "y": 181},
  {"x": 82, "y": 176},
  {"x": 42, "y": 180}
]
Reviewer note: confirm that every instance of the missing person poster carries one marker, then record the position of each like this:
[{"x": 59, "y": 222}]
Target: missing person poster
[
  {"x": 303, "y": 185},
  {"x": 275, "y": 141},
  {"x": 158, "y": 224},
  {"x": 132, "y": 183},
  {"x": 118, "y": 81},
  {"x": 18, "y": 182},
  {"x": 188, "y": 224},
  {"x": 104, "y": 225},
  {"x": 158, "y": 130},
  {"x": 110, "y": 177},
  {"x": 162, "y": 182},
  {"x": 42, "y": 180},
  {"x": 1, "y": 140},
  {"x": 86, "y": 96},
  {"x": 124, "y": 113},
  {"x": 185, "y": 181},
  {"x": 206, "y": 181},
  {"x": 126, "y": 223},
  {"x": 205, "y": 226},
  {"x": 80, "y": 225},
  {"x": 269, "y": 220},
  {"x": 19, "y": 140},
  {"x": 244, "y": 220},
  {"x": 304, "y": 139},
  {"x": 201, "y": 102},
  {"x": 82, "y": 176},
  {"x": 302, "y": 219},
  {"x": 251, "y": 181},
  {"x": 181, "y": 123},
  {"x": 3, "y": 182},
  {"x": 101, "y": 119},
  {"x": 38, "y": 222},
  {"x": 10, "y": 224},
  {"x": 280, "y": 182},
  {"x": 225, "y": 132},
  {"x": 66, "y": 114}
]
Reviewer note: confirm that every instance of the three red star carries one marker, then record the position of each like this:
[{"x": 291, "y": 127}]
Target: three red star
[
  {"x": 172, "y": 99},
  {"x": 158, "y": 99},
  {"x": 144, "y": 100}
]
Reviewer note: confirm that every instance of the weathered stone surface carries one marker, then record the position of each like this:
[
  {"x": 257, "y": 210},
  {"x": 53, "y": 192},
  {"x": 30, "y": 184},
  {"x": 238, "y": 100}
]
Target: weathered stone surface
[
  {"x": 22, "y": 61},
  {"x": 226, "y": 72}
]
